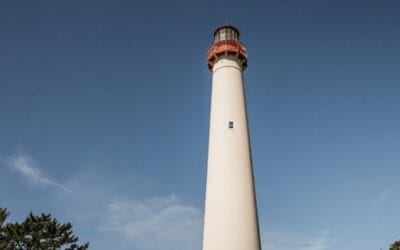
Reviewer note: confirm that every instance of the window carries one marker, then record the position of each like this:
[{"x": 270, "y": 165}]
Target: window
[
  {"x": 222, "y": 36},
  {"x": 235, "y": 37},
  {"x": 230, "y": 125},
  {"x": 228, "y": 33}
]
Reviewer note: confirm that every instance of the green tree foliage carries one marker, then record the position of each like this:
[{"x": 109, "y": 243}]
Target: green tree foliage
[
  {"x": 395, "y": 245},
  {"x": 37, "y": 233}
]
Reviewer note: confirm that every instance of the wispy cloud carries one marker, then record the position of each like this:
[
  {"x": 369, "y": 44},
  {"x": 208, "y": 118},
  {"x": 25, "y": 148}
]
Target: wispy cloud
[
  {"x": 26, "y": 166},
  {"x": 383, "y": 195},
  {"x": 282, "y": 240},
  {"x": 160, "y": 223}
]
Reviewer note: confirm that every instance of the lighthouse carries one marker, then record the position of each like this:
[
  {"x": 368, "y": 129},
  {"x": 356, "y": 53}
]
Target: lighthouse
[{"x": 230, "y": 219}]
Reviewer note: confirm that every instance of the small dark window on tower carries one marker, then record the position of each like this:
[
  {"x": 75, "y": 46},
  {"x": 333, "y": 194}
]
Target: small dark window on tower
[{"x": 230, "y": 124}]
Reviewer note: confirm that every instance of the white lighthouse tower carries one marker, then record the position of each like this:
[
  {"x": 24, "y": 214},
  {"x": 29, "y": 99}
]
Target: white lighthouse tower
[{"x": 230, "y": 220}]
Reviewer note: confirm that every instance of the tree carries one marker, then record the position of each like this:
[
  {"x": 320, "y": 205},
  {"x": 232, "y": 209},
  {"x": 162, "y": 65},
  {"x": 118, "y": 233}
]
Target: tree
[
  {"x": 37, "y": 233},
  {"x": 395, "y": 245}
]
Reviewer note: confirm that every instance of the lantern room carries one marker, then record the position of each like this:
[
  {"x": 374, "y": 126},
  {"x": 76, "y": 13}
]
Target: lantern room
[
  {"x": 226, "y": 43},
  {"x": 226, "y": 33}
]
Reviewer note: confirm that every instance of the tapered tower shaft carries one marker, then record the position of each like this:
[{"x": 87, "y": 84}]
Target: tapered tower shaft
[{"x": 230, "y": 221}]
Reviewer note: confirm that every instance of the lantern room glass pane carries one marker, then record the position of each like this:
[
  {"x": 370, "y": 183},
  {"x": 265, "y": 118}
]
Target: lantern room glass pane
[
  {"x": 228, "y": 34},
  {"x": 222, "y": 35}
]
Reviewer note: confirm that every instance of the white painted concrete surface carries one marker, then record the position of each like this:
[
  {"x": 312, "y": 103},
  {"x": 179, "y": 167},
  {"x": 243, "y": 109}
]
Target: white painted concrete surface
[{"x": 230, "y": 221}]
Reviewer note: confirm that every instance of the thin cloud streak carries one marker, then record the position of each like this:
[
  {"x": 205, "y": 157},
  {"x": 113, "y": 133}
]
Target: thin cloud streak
[
  {"x": 25, "y": 166},
  {"x": 281, "y": 240},
  {"x": 159, "y": 223},
  {"x": 382, "y": 196}
]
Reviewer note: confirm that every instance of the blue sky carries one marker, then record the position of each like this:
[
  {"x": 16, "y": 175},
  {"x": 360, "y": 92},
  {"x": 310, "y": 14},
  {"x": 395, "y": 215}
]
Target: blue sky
[{"x": 104, "y": 111}]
